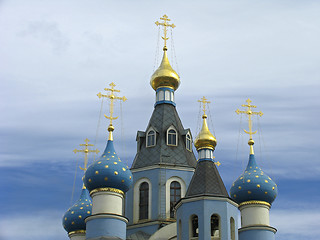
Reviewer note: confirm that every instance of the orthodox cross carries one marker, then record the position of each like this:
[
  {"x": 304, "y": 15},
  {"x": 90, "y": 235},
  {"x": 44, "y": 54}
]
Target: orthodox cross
[
  {"x": 249, "y": 112},
  {"x": 204, "y": 101},
  {"x": 86, "y": 151},
  {"x": 165, "y": 24},
  {"x": 112, "y": 98}
]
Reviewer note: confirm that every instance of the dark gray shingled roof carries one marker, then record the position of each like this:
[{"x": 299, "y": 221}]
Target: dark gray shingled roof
[
  {"x": 164, "y": 116},
  {"x": 139, "y": 236},
  {"x": 206, "y": 180}
]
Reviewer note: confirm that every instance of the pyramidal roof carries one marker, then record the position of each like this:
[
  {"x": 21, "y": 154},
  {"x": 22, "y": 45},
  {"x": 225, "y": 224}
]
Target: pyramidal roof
[
  {"x": 206, "y": 181},
  {"x": 163, "y": 117}
]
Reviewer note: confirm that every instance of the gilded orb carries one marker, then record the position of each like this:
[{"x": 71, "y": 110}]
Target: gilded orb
[
  {"x": 205, "y": 139},
  {"x": 165, "y": 76}
]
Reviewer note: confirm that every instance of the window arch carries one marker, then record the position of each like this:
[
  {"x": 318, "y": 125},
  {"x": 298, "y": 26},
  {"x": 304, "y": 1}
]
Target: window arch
[
  {"x": 175, "y": 195},
  {"x": 172, "y": 137},
  {"x": 137, "y": 198},
  {"x": 144, "y": 201},
  {"x": 232, "y": 228},
  {"x": 215, "y": 226},
  {"x": 151, "y": 138},
  {"x": 194, "y": 227},
  {"x": 188, "y": 142},
  {"x": 168, "y": 197}
]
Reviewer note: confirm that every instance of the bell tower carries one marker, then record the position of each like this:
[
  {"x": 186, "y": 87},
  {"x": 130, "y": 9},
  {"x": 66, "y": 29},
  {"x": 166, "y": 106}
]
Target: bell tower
[{"x": 165, "y": 162}]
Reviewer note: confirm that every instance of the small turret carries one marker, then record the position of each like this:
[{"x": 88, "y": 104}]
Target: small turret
[
  {"x": 74, "y": 218},
  {"x": 107, "y": 179},
  {"x": 206, "y": 189},
  {"x": 254, "y": 191}
]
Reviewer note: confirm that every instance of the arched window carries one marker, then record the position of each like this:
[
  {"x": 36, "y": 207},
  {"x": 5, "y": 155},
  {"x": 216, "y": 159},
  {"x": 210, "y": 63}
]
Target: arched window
[
  {"x": 151, "y": 138},
  {"x": 172, "y": 137},
  {"x": 232, "y": 229},
  {"x": 188, "y": 142},
  {"x": 144, "y": 201},
  {"x": 194, "y": 233},
  {"x": 175, "y": 195},
  {"x": 169, "y": 193},
  {"x": 215, "y": 226}
]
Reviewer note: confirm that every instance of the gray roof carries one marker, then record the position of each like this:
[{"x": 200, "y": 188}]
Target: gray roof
[
  {"x": 139, "y": 236},
  {"x": 164, "y": 116},
  {"x": 206, "y": 180}
]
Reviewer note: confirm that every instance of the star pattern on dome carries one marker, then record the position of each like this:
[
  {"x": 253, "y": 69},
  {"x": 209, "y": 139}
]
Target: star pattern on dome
[
  {"x": 104, "y": 173},
  {"x": 73, "y": 219},
  {"x": 253, "y": 184}
]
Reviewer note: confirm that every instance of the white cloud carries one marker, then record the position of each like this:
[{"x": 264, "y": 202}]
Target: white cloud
[
  {"x": 48, "y": 32},
  {"x": 33, "y": 226},
  {"x": 298, "y": 224}
]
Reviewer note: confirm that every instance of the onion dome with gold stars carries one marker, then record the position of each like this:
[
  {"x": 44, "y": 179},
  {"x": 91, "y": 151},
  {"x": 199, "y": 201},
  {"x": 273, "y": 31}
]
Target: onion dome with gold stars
[
  {"x": 108, "y": 172},
  {"x": 205, "y": 139},
  {"x": 253, "y": 185},
  {"x": 73, "y": 219},
  {"x": 165, "y": 76}
]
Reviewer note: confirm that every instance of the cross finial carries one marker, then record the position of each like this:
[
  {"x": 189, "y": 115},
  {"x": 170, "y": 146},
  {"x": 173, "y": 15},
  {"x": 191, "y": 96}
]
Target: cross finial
[
  {"x": 112, "y": 98},
  {"x": 85, "y": 151},
  {"x": 165, "y": 24},
  {"x": 249, "y": 112},
  {"x": 203, "y": 100}
]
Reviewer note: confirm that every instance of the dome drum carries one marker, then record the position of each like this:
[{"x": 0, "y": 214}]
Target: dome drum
[{"x": 113, "y": 198}]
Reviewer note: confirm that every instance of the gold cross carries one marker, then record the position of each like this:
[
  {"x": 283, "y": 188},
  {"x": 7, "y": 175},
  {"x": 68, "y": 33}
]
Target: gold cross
[
  {"x": 112, "y": 98},
  {"x": 249, "y": 112},
  {"x": 165, "y": 24},
  {"x": 217, "y": 163},
  {"x": 204, "y": 101},
  {"x": 86, "y": 151}
]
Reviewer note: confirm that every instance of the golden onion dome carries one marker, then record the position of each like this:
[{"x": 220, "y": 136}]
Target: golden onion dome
[
  {"x": 165, "y": 76},
  {"x": 205, "y": 139}
]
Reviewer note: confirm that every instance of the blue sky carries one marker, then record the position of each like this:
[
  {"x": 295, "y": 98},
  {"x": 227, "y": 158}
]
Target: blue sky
[{"x": 55, "y": 56}]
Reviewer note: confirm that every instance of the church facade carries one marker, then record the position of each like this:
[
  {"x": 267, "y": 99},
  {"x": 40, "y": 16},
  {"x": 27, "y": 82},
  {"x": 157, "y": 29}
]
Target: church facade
[{"x": 170, "y": 192}]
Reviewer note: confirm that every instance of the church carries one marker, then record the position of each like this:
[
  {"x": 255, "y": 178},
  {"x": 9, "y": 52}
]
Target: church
[{"x": 170, "y": 192}]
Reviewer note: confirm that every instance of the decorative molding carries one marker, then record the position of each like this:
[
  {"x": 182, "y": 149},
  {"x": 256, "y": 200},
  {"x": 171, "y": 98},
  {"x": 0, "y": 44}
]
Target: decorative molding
[
  {"x": 80, "y": 232},
  {"x": 104, "y": 215},
  {"x": 166, "y": 166},
  {"x": 253, "y": 202},
  {"x": 149, "y": 223},
  {"x": 257, "y": 227},
  {"x": 106, "y": 190},
  {"x": 194, "y": 199}
]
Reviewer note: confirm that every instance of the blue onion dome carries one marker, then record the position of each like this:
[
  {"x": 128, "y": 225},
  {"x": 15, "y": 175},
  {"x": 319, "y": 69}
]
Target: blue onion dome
[
  {"x": 73, "y": 219},
  {"x": 108, "y": 172},
  {"x": 253, "y": 185}
]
